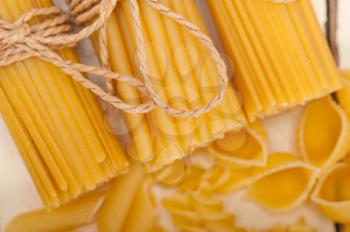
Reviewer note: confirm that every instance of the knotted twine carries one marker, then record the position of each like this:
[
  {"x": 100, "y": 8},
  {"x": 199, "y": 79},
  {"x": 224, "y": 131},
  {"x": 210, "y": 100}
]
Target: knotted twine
[{"x": 20, "y": 40}]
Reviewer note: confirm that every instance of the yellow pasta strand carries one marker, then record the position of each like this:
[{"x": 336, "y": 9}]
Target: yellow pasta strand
[
  {"x": 58, "y": 125},
  {"x": 183, "y": 74},
  {"x": 280, "y": 56}
]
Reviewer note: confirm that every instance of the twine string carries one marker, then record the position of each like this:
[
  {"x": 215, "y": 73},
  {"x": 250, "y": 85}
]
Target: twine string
[{"x": 20, "y": 40}]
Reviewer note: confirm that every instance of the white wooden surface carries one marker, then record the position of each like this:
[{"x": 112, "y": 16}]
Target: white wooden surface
[{"x": 18, "y": 195}]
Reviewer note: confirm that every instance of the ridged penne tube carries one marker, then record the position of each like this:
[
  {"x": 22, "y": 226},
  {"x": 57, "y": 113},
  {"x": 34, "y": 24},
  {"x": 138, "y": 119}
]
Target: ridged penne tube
[
  {"x": 74, "y": 214},
  {"x": 280, "y": 56},
  {"x": 324, "y": 133},
  {"x": 182, "y": 73},
  {"x": 332, "y": 193},
  {"x": 58, "y": 125},
  {"x": 119, "y": 200},
  {"x": 247, "y": 147},
  {"x": 142, "y": 214},
  {"x": 283, "y": 184}
]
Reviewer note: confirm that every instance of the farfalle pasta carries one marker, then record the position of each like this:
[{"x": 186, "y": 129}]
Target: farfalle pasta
[
  {"x": 280, "y": 55},
  {"x": 323, "y": 136},
  {"x": 283, "y": 184}
]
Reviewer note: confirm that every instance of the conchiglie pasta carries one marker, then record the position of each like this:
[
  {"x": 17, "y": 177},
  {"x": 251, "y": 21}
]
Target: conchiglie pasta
[
  {"x": 324, "y": 133},
  {"x": 246, "y": 147},
  {"x": 332, "y": 193},
  {"x": 283, "y": 184}
]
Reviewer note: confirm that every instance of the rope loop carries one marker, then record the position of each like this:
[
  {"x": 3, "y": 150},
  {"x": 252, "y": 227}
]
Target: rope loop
[{"x": 21, "y": 40}]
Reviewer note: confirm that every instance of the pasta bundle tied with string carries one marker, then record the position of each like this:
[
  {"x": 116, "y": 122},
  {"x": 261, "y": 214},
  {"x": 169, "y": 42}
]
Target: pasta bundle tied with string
[
  {"x": 59, "y": 126},
  {"x": 165, "y": 44}
]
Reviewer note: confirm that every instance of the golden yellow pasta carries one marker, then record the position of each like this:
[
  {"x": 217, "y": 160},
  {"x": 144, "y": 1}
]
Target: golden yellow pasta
[
  {"x": 283, "y": 184},
  {"x": 247, "y": 147},
  {"x": 280, "y": 56},
  {"x": 332, "y": 193},
  {"x": 58, "y": 125},
  {"x": 76, "y": 213},
  {"x": 183, "y": 74},
  {"x": 199, "y": 211},
  {"x": 301, "y": 226},
  {"x": 343, "y": 95},
  {"x": 324, "y": 133},
  {"x": 129, "y": 205}
]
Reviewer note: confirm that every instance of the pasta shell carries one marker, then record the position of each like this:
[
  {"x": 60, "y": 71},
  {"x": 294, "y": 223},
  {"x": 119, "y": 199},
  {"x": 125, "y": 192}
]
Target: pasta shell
[
  {"x": 343, "y": 95},
  {"x": 247, "y": 147},
  {"x": 171, "y": 174},
  {"x": 226, "y": 177},
  {"x": 324, "y": 133},
  {"x": 332, "y": 193},
  {"x": 283, "y": 184}
]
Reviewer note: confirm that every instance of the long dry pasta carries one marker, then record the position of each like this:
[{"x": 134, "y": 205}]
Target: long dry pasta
[
  {"x": 130, "y": 205},
  {"x": 183, "y": 74},
  {"x": 58, "y": 126},
  {"x": 279, "y": 53},
  {"x": 74, "y": 214}
]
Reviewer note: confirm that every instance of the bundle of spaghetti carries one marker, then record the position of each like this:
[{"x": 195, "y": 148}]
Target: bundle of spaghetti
[
  {"x": 199, "y": 211},
  {"x": 130, "y": 204},
  {"x": 182, "y": 72},
  {"x": 279, "y": 53},
  {"x": 69, "y": 216},
  {"x": 58, "y": 126}
]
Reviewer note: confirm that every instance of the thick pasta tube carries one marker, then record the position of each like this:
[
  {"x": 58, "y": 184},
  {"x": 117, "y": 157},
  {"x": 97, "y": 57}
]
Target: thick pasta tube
[
  {"x": 142, "y": 214},
  {"x": 58, "y": 125},
  {"x": 324, "y": 133},
  {"x": 182, "y": 73},
  {"x": 279, "y": 53},
  {"x": 283, "y": 184},
  {"x": 332, "y": 193},
  {"x": 119, "y": 200},
  {"x": 74, "y": 214}
]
